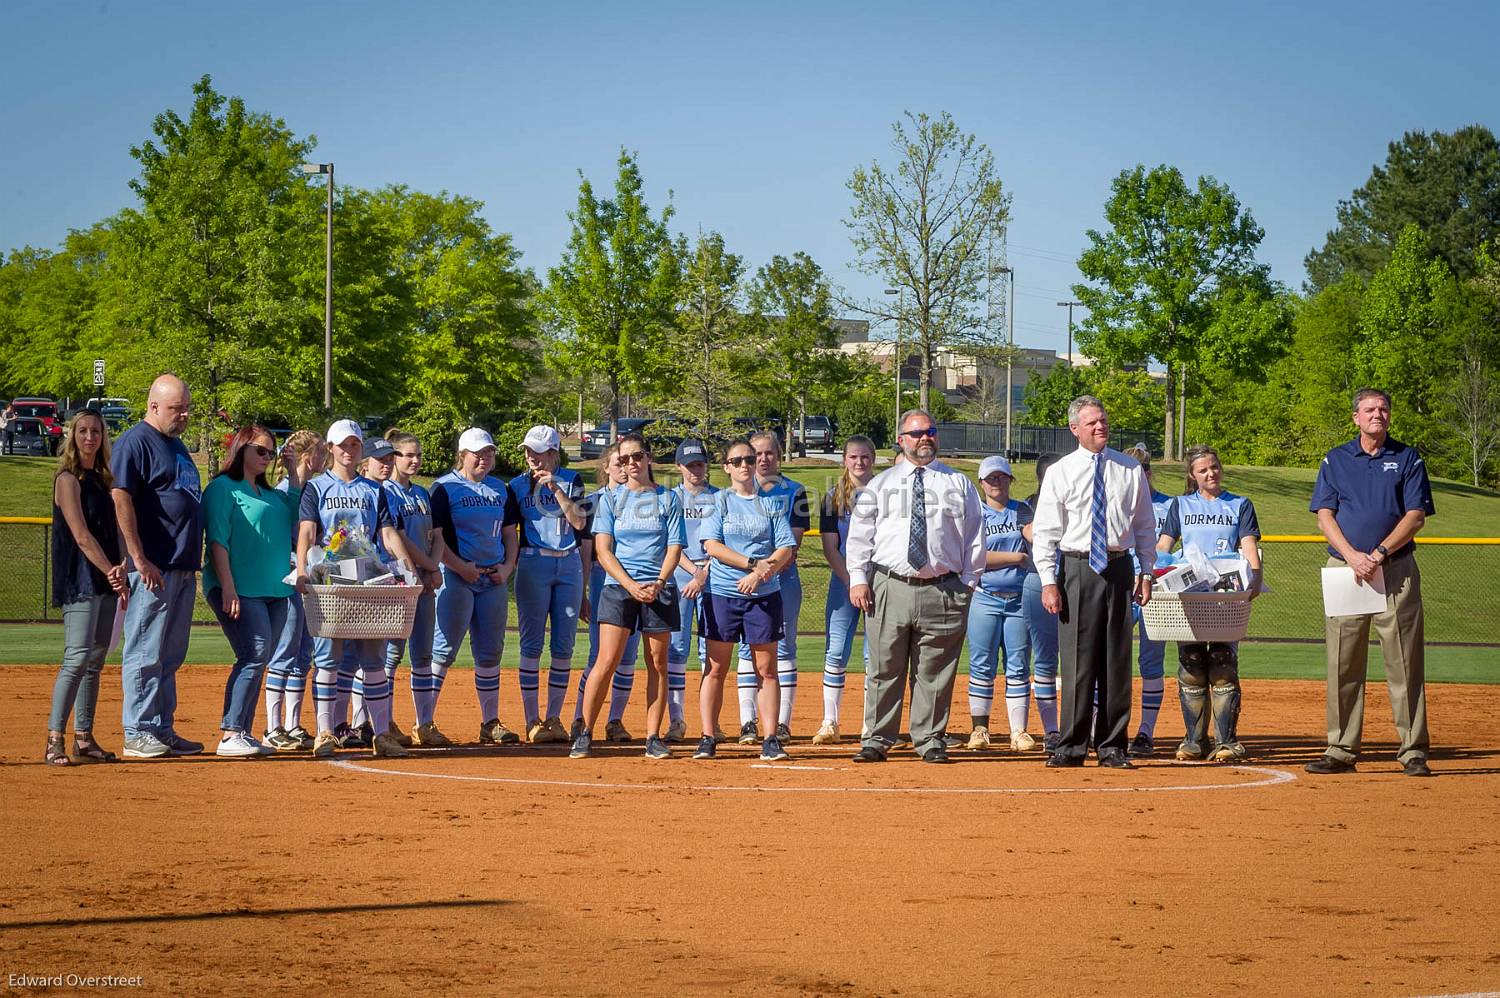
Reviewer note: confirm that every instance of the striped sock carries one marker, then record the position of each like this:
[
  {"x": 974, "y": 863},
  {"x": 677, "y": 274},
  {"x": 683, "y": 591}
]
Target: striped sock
[
  {"x": 1045, "y": 692},
  {"x": 377, "y": 698},
  {"x": 345, "y": 693},
  {"x": 558, "y": 675},
  {"x": 487, "y": 688},
  {"x": 1151, "y": 694},
  {"x": 583, "y": 682},
  {"x": 357, "y": 701},
  {"x": 1017, "y": 704},
  {"x": 619, "y": 689},
  {"x": 786, "y": 678},
  {"x": 676, "y": 690},
  {"x": 981, "y": 696},
  {"x": 291, "y": 703},
  {"x": 749, "y": 685},
  {"x": 439, "y": 676},
  {"x": 530, "y": 684},
  {"x": 275, "y": 694},
  {"x": 325, "y": 697},
  {"x": 833, "y": 690},
  {"x": 423, "y": 691}
]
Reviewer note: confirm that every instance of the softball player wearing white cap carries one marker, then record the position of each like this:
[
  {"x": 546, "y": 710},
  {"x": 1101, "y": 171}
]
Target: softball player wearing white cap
[{"x": 997, "y": 620}]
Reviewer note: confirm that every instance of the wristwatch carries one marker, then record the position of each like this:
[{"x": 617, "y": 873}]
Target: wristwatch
[
  {"x": 1384, "y": 554},
  {"x": 750, "y": 567}
]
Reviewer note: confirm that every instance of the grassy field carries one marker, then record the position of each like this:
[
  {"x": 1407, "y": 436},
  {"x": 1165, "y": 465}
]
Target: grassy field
[{"x": 40, "y": 644}]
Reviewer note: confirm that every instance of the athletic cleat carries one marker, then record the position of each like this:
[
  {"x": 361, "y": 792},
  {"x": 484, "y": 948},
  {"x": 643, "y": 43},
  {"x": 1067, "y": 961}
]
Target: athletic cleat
[
  {"x": 707, "y": 748},
  {"x": 1188, "y": 753},
  {"x": 676, "y": 733},
  {"x": 657, "y": 749},
  {"x": 238, "y": 745},
  {"x": 534, "y": 732},
  {"x": 1050, "y": 741},
  {"x": 719, "y": 736},
  {"x": 1227, "y": 752},
  {"x": 828, "y": 734},
  {"x": 583, "y": 746},
  {"x": 346, "y": 737},
  {"x": 784, "y": 733},
  {"x": 385, "y": 747},
  {"x": 494, "y": 732},
  {"x": 615, "y": 732},
  {"x": 366, "y": 735},
  {"x": 1021, "y": 741},
  {"x": 302, "y": 735},
  {"x": 324, "y": 745},
  {"x": 553, "y": 731},
  {"x": 428, "y": 736},
  {"x": 1141, "y": 746},
  {"x": 979, "y": 739},
  {"x": 749, "y": 733},
  {"x": 282, "y": 741},
  {"x": 771, "y": 750},
  {"x": 401, "y": 737}
]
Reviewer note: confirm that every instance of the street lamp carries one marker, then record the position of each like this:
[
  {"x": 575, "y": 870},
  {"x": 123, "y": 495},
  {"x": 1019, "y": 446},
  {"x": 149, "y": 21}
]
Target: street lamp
[
  {"x": 1069, "y": 306},
  {"x": 1010, "y": 343},
  {"x": 311, "y": 169},
  {"x": 896, "y": 358}
]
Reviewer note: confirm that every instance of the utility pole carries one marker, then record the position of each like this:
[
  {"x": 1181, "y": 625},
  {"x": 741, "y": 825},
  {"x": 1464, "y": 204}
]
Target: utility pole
[
  {"x": 326, "y": 168},
  {"x": 896, "y": 358},
  {"x": 1069, "y": 306}
]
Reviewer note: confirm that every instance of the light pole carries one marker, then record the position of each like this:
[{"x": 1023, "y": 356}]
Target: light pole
[
  {"x": 1010, "y": 344},
  {"x": 310, "y": 169},
  {"x": 896, "y": 358},
  {"x": 1069, "y": 306}
]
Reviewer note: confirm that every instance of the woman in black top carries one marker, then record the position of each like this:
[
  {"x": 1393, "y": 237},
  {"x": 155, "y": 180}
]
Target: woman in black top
[{"x": 88, "y": 578}]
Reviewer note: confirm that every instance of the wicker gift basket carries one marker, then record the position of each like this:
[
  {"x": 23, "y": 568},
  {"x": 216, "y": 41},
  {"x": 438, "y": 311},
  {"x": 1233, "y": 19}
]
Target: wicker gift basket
[
  {"x": 1197, "y": 616},
  {"x": 361, "y": 611}
]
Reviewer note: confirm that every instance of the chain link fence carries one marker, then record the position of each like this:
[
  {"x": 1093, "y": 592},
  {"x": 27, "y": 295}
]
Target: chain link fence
[{"x": 1462, "y": 602}]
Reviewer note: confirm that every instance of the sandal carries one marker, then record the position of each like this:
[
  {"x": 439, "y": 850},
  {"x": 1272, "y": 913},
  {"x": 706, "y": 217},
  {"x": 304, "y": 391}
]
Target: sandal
[
  {"x": 56, "y": 755},
  {"x": 87, "y": 750}
]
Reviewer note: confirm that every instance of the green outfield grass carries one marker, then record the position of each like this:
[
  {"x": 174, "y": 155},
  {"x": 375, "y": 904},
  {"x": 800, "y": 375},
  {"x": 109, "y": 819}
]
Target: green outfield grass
[{"x": 41, "y": 644}]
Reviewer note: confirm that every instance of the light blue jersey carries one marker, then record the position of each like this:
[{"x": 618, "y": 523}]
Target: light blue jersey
[
  {"x": 788, "y": 497},
  {"x": 1214, "y": 526},
  {"x": 695, "y": 509},
  {"x": 542, "y": 522},
  {"x": 748, "y": 526},
  {"x": 329, "y": 501},
  {"x": 1002, "y": 532},
  {"x": 1160, "y": 503},
  {"x": 643, "y": 523},
  {"x": 411, "y": 508},
  {"x": 473, "y": 516}
]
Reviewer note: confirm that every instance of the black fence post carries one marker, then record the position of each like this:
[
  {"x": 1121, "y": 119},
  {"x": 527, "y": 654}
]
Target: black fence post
[{"x": 46, "y": 570}]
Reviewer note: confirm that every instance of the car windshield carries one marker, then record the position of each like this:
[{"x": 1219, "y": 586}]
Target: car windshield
[{"x": 35, "y": 410}]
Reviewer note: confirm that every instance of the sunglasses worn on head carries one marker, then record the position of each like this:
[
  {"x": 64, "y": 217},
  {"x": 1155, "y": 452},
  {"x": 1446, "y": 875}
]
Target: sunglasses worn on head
[
  {"x": 741, "y": 461},
  {"x": 931, "y": 431}
]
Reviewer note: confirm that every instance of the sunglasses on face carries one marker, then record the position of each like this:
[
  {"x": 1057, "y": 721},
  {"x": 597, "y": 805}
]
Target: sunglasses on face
[
  {"x": 931, "y": 431},
  {"x": 744, "y": 460},
  {"x": 632, "y": 457},
  {"x": 265, "y": 453}
]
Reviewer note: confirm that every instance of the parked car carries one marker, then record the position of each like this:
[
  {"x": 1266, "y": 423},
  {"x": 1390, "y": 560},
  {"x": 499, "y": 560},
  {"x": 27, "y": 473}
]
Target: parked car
[
  {"x": 819, "y": 435},
  {"x": 31, "y": 438},
  {"x": 45, "y": 410},
  {"x": 595, "y": 440}
]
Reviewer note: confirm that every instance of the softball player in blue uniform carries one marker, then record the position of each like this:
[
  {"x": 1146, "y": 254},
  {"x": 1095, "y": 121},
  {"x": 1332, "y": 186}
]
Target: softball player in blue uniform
[
  {"x": 549, "y": 579},
  {"x": 610, "y": 474},
  {"x": 840, "y": 617},
  {"x": 303, "y": 455},
  {"x": 338, "y": 496},
  {"x": 750, "y": 541},
  {"x": 696, "y": 496},
  {"x": 997, "y": 620},
  {"x": 378, "y": 465},
  {"x": 1043, "y": 632},
  {"x": 411, "y": 505},
  {"x": 638, "y": 535},
  {"x": 790, "y": 498},
  {"x": 1220, "y": 524},
  {"x": 1152, "y": 654},
  {"x": 475, "y": 512}
]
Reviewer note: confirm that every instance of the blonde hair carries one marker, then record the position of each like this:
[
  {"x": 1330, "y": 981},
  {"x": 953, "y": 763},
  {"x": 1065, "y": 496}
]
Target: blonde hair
[
  {"x": 1194, "y": 454},
  {"x": 69, "y": 460},
  {"x": 844, "y": 489},
  {"x": 601, "y": 472}
]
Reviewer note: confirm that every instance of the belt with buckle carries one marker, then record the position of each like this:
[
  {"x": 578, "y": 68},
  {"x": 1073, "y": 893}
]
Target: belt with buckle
[
  {"x": 913, "y": 580},
  {"x": 1084, "y": 555},
  {"x": 998, "y": 595},
  {"x": 549, "y": 552}
]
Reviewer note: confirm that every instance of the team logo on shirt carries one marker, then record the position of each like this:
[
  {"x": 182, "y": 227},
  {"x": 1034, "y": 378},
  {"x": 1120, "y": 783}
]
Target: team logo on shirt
[{"x": 1390, "y": 466}]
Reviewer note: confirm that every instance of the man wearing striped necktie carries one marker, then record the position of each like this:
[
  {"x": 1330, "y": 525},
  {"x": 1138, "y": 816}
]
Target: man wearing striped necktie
[{"x": 1093, "y": 509}]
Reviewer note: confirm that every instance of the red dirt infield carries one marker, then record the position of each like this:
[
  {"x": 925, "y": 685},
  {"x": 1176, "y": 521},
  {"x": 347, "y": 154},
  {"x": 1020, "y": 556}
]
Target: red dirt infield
[{"x": 518, "y": 870}]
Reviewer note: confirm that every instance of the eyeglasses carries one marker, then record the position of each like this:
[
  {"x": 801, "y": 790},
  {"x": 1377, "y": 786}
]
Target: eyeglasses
[
  {"x": 262, "y": 452},
  {"x": 742, "y": 461},
  {"x": 931, "y": 431},
  {"x": 632, "y": 457}
]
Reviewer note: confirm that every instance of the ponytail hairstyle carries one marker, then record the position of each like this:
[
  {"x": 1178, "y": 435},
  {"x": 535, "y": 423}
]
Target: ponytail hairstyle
[
  {"x": 844, "y": 489},
  {"x": 399, "y": 437},
  {"x": 1194, "y": 454}
]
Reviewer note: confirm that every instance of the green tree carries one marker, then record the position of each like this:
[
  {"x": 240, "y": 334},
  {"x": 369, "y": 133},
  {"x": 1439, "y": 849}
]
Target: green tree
[
  {"x": 1448, "y": 186},
  {"x": 1131, "y": 397},
  {"x": 613, "y": 295},
  {"x": 710, "y": 324},
  {"x": 1157, "y": 273},
  {"x": 792, "y": 305},
  {"x": 925, "y": 226}
]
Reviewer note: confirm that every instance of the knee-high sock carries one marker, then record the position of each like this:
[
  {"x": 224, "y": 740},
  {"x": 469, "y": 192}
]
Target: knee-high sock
[
  {"x": 427, "y": 710},
  {"x": 377, "y": 698},
  {"x": 1045, "y": 691},
  {"x": 325, "y": 697},
  {"x": 749, "y": 685},
  {"x": 423, "y": 691},
  {"x": 1017, "y": 704},
  {"x": 583, "y": 682},
  {"x": 530, "y": 681},
  {"x": 345, "y": 693},
  {"x": 487, "y": 688},
  {"x": 981, "y": 696},
  {"x": 833, "y": 690},
  {"x": 619, "y": 689},
  {"x": 786, "y": 678},
  {"x": 1151, "y": 694},
  {"x": 275, "y": 694},
  {"x": 558, "y": 674},
  {"x": 291, "y": 704},
  {"x": 676, "y": 690},
  {"x": 358, "y": 714}
]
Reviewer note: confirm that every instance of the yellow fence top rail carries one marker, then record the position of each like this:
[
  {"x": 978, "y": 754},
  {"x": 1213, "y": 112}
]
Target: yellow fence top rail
[
  {"x": 40, "y": 520},
  {"x": 1319, "y": 539}
]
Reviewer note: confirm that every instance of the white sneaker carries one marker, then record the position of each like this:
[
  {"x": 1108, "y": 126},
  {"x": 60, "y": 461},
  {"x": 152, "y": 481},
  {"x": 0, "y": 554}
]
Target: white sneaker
[{"x": 238, "y": 745}]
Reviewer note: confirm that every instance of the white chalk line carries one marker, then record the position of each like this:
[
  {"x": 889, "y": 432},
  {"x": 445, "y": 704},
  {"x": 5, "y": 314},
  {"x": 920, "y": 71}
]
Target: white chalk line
[{"x": 1269, "y": 777}]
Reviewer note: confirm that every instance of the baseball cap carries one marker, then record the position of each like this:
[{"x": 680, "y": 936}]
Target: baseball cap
[
  {"x": 990, "y": 465},
  {"x": 689, "y": 451},
  {"x": 343, "y": 429},
  {"x": 542, "y": 438},
  {"x": 474, "y": 439},
  {"x": 378, "y": 448}
]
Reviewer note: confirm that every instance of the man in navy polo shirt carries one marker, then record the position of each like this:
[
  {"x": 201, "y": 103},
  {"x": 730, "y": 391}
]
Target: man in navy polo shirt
[{"x": 1372, "y": 496}]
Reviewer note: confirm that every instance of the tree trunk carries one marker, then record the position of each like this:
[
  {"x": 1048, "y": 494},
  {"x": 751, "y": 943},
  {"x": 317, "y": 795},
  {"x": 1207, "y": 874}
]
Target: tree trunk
[
  {"x": 580, "y": 414},
  {"x": 1182, "y": 410},
  {"x": 924, "y": 379},
  {"x": 614, "y": 404},
  {"x": 1169, "y": 424}
]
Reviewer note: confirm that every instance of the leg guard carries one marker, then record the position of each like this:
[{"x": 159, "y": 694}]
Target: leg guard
[
  {"x": 1224, "y": 693},
  {"x": 1192, "y": 691}
]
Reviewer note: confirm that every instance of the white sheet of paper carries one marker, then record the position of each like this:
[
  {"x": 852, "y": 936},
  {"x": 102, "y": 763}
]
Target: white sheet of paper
[{"x": 1344, "y": 596}]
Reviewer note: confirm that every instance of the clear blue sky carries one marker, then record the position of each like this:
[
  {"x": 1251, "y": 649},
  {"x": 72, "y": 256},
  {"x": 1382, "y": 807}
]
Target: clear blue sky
[{"x": 754, "y": 115}]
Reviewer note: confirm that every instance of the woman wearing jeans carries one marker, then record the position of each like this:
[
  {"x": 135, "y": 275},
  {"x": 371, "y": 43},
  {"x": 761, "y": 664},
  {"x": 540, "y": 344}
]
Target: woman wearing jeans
[
  {"x": 840, "y": 617},
  {"x": 248, "y": 526},
  {"x": 88, "y": 578}
]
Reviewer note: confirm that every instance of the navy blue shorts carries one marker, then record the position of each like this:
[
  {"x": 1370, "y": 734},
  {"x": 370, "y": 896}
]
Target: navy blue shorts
[
  {"x": 755, "y": 620},
  {"x": 618, "y": 607}
]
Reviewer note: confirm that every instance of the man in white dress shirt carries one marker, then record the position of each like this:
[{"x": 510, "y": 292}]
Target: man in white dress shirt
[
  {"x": 1094, "y": 508},
  {"x": 915, "y": 551}
]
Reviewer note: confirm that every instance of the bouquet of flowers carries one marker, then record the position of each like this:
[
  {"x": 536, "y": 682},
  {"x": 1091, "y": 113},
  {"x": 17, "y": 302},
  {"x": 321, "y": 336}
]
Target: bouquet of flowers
[{"x": 350, "y": 540}]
